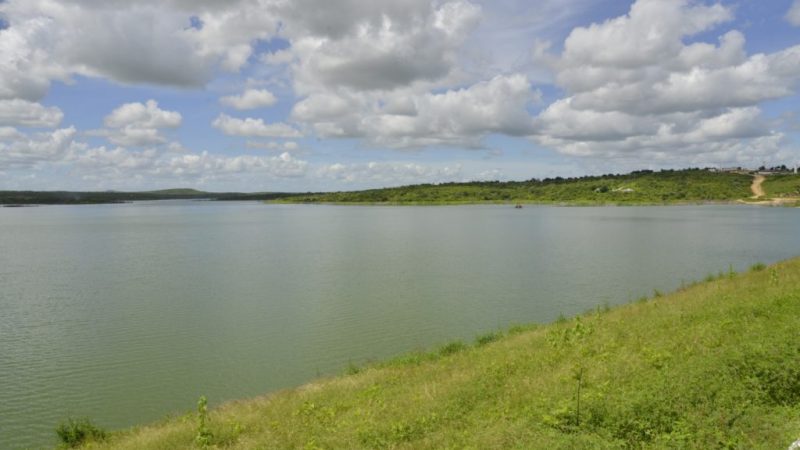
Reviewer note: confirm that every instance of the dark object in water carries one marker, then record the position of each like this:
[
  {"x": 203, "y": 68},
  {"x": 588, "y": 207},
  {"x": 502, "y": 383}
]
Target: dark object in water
[{"x": 518, "y": 206}]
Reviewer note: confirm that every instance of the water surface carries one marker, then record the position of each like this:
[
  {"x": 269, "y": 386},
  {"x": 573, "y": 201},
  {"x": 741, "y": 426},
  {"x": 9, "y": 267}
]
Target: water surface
[{"x": 127, "y": 313}]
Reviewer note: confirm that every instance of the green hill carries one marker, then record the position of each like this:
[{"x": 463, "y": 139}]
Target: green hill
[
  {"x": 714, "y": 365},
  {"x": 641, "y": 187}
]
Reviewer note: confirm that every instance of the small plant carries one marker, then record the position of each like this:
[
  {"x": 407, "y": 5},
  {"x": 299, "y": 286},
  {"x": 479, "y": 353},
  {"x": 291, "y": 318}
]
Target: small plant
[
  {"x": 657, "y": 293},
  {"x": 203, "y": 436},
  {"x": 731, "y": 272},
  {"x": 773, "y": 276},
  {"x": 352, "y": 368},
  {"x": 487, "y": 338},
  {"x": 578, "y": 377},
  {"x": 757, "y": 267},
  {"x": 74, "y": 433},
  {"x": 452, "y": 348}
]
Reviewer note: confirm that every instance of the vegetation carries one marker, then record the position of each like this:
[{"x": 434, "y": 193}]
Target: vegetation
[
  {"x": 74, "y": 433},
  {"x": 782, "y": 185},
  {"x": 641, "y": 187},
  {"x": 73, "y": 198},
  {"x": 714, "y": 365}
]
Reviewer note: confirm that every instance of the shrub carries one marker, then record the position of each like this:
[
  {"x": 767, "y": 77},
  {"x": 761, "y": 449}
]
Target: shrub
[
  {"x": 487, "y": 338},
  {"x": 74, "y": 433}
]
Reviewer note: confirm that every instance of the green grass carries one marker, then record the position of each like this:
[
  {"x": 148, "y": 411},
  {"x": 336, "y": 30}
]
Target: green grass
[
  {"x": 714, "y": 365},
  {"x": 783, "y": 185},
  {"x": 643, "y": 187}
]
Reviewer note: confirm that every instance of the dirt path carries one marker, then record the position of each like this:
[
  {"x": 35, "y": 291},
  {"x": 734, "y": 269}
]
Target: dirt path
[{"x": 758, "y": 190}]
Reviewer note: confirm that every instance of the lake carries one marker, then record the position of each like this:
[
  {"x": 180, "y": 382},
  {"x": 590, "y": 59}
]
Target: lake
[{"x": 126, "y": 313}]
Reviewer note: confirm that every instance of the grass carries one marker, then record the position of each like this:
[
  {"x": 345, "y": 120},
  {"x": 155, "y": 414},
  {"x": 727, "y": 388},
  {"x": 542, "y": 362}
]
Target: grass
[
  {"x": 641, "y": 187},
  {"x": 714, "y": 365},
  {"x": 782, "y": 185}
]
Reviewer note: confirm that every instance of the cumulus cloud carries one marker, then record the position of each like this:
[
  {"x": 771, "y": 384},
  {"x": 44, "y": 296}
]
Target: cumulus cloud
[
  {"x": 250, "y": 127},
  {"x": 389, "y": 172},
  {"x": 250, "y": 99},
  {"x": 454, "y": 117},
  {"x": 23, "y": 151},
  {"x": 636, "y": 90},
  {"x": 53, "y": 40},
  {"x": 366, "y": 45},
  {"x": 138, "y": 124},
  {"x": 18, "y": 112},
  {"x": 793, "y": 15},
  {"x": 272, "y": 145}
]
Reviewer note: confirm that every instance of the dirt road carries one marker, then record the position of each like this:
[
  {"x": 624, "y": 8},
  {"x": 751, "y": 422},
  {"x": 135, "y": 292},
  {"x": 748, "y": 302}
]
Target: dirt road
[{"x": 758, "y": 190}]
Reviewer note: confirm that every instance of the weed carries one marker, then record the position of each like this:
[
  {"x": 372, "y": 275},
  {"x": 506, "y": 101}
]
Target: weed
[
  {"x": 488, "y": 338},
  {"x": 758, "y": 267},
  {"x": 203, "y": 436},
  {"x": 74, "y": 433},
  {"x": 352, "y": 368},
  {"x": 452, "y": 348},
  {"x": 773, "y": 276}
]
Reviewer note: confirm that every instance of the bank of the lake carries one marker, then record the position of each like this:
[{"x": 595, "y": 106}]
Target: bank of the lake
[{"x": 713, "y": 365}]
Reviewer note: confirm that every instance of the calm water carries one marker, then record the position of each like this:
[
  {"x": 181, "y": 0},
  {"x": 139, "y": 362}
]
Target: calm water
[{"x": 126, "y": 313}]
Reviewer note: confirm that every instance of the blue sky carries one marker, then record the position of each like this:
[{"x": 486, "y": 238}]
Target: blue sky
[{"x": 255, "y": 95}]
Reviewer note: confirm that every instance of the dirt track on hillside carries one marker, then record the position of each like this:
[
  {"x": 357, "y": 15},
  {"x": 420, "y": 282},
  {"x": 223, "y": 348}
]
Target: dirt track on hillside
[{"x": 758, "y": 190}]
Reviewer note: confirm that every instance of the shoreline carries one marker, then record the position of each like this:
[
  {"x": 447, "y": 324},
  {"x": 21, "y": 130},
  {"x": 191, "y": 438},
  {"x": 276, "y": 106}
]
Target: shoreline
[{"x": 326, "y": 411}]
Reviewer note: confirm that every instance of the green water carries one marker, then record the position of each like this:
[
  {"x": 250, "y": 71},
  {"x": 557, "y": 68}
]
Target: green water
[{"x": 127, "y": 313}]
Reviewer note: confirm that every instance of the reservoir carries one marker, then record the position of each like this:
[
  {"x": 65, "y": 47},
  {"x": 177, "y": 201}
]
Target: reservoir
[{"x": 126, "y": 313}]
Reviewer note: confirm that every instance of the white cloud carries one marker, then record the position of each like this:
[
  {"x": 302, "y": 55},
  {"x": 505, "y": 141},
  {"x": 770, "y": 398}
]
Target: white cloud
[
  {"x": 250, "y": 99},
  {"x": 9, "y": 133},
  {"x": 793, "y": 15},
  {"x": 459, "y": 117},
  {"x": 272, "y": 145},
  {"x": 31, "y": 151},
  {"x": 635, "y": 90},
  {"x": 138, "y": 124},
  {"x": 384, "y": 173},
  {"x": 253, "y": 127},
  {"x": 205, "y": 164},
  {"x": 387, "y": 47},
  {"x": 23, "y": 113},
  {"x": 143, "y": 115},
  {"x": 53, "y": 39}
]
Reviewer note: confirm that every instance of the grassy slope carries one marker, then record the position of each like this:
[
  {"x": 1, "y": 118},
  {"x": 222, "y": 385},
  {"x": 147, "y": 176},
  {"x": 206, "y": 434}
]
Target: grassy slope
[
  {"x": 711, "y": 366},
  {"x": 691, "y": 185},
  {"x": 782, "y": 185}
]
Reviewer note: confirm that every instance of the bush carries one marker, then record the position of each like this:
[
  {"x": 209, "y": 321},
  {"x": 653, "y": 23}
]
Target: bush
[
  {"x": 488, "y": 338},
  {"x": 74, "y": 433}
]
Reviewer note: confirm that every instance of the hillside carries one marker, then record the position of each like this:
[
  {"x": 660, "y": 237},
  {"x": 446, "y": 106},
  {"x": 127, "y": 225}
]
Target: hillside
[
  {"x": 99, "y": 197},
  {"x": 642, "y": 187},
  {"x": 713, "y": 365},
  {"x": 782, "y": 185}
]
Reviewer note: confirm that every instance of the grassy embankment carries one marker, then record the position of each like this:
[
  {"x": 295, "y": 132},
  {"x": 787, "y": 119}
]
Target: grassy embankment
[
  {"x": 642, "y": 187},
  {"x": 714, "y": 365},
  {"x": 782, "y": 186}
]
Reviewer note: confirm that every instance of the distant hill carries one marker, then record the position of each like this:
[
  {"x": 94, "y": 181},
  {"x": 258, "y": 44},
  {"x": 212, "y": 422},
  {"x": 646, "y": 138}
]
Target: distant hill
[
  {"x": 180, "y": 192},
  {"x": 640, "y": 187},
  {"x": 74, "y": 198}
]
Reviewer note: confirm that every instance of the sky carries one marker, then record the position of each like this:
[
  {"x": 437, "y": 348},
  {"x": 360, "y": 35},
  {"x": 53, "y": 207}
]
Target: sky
[{"x": 310, "y": 95}]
